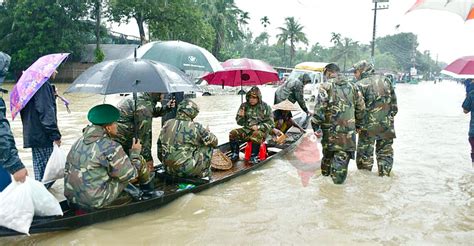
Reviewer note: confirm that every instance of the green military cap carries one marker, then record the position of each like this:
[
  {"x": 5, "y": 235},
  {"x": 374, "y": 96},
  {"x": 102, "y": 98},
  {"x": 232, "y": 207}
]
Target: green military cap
[{"x": 103, "y": 114}]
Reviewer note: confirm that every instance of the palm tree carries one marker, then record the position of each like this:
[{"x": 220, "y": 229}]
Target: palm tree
[
  {"x": 223, "y": 16},
  {"x": 294, "y": 33},
  {"x": 265, "y": 21},
  {"x": 345, "y": 48}
]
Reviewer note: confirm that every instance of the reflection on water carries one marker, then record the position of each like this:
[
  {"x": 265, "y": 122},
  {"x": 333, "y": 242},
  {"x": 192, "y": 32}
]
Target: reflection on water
[{"x": 428, "y": 199}]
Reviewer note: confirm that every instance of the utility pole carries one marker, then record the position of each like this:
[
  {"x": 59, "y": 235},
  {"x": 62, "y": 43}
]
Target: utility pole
[{"x": 376, "y": 7}]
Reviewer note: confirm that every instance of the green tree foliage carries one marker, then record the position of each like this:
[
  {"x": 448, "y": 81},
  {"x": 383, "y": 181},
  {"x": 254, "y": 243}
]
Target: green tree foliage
[
  {"x": 345, "y": 50},
  {"x": 140, "y": 10},
  {"x": 223, "y": 15},
  {"x": 292, "y": 32},
  {"x": 182, "y": 20},
  {"x": 40, "y": 27}
]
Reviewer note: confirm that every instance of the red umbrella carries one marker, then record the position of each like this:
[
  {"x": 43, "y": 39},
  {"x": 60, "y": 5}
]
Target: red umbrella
[
  {"x": 461, "y": 68},
  {"x": 243, "y": 72}
]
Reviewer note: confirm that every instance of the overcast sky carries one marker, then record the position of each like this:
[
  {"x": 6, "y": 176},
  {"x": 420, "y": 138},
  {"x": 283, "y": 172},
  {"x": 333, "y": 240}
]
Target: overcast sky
[{"x": 444, "y": 34}]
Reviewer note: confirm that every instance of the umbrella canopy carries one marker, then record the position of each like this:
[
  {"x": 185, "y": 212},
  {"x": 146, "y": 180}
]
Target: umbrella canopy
[
  {"x": 32, "y": 79},
  {"x": 192, "y": 59},
  {"x": 461, "y": 68},
  {"x": 4, "y": 64},
  {"x": 120, "y": 76},
  {"x": 463, "y": 8},
  {"x": 243, "y": 72}
]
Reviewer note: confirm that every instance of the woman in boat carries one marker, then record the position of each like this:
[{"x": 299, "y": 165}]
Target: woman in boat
[
  {"x": 184, "y": 146},
  {"x": 283, "y": 117},
  {"x": 255, "y": 117},
  {"x": 98, "y": 169}
]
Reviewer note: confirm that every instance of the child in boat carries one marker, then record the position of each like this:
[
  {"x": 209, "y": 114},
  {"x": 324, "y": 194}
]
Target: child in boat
[
  {"x": 255, "y": 117},
  {"x": 98, "y": 170},
  {"x": 184, "y": 146}
]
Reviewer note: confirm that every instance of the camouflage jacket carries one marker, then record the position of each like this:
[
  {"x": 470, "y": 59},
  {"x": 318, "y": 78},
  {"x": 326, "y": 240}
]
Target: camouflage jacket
[
  {"x": 146, "y": 110},
  {"x": 97, "y": 169},
  {"x": 259, "y": 114},
  {"x": 338, "y": 112},
  {"x": 9, "y": 158},
  {"x": 181, "y": 137},
  {"x": 293, "y": 91},
  {"x": 381, "y": 106}
]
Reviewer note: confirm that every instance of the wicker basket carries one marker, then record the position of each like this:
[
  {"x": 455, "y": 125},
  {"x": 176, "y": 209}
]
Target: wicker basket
[{"x": 220, "y": 161}]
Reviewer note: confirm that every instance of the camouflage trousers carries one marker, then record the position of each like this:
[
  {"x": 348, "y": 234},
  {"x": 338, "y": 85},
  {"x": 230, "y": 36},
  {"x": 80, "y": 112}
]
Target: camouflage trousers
[
  {"x": 335, "y": 163},
  {"x": 383, "y": 150},
  {"x": 198, "y": 165},
  {"x": 246, "y": 134}
]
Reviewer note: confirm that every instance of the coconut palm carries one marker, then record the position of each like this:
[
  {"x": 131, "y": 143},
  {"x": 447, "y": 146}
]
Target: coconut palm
[
  {"x": 293, "y": 32},
  {"x": 345, "y": 49},
  {"x": 265, "y": 21}
]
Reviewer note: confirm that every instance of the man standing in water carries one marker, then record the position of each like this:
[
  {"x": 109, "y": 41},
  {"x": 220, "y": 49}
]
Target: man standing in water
[
  {"x": 468, "y": 107},
  {"x": 338, "y": 113},
  {"x": 378, "y": 128}
]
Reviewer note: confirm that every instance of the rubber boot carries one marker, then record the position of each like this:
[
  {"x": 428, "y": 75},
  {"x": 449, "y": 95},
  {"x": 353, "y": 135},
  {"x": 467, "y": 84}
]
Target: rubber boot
[
  {"x": 255, "y": 151},
  {"x": 148, "y": 189},
  {"x": 234, "y": 149}
]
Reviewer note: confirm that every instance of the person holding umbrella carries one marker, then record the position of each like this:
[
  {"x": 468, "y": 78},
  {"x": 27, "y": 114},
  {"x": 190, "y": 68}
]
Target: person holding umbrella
[
  {"x": 146, "y": 110},
  {"x": 10, "y": 162},
  {"x": 255, "y": 117},
  {"x": 40, "y": 127}
]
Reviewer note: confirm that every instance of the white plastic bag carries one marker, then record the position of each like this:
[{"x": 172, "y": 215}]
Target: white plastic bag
[
  {"x": 55, "y": 166},
  {"x": 16, "y": 207},
  {"x": 45, "y": 204}
]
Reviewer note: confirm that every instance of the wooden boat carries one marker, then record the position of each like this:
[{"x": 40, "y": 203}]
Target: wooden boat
[{"x": 71, "y": 219}]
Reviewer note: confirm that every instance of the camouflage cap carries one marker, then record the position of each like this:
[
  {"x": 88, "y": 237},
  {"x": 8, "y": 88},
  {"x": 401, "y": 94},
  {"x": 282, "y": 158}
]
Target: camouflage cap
[
  {"x": 363, "y": 66},
  {"x": 188, "y": 108},
  {"x": 103, "y": 114}
]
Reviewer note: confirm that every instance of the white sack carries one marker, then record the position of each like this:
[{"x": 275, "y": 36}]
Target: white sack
[{"x": 55, "y": 166}]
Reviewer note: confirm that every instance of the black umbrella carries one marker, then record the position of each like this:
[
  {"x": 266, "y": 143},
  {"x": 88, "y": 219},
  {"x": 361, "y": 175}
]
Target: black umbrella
[{"x": 132, "y": 75}]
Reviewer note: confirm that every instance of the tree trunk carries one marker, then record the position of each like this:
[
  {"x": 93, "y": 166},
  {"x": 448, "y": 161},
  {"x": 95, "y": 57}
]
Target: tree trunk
[
  {"x": 98, "y": 7},
  {"x": 139, "y": 18}
]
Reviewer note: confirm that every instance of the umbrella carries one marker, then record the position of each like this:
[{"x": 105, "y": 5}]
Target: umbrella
[
  {"x": 193, "y": 60},
  {"x": 461, "y": 68},
  {"x": 4, "y": 64},
  {"x": 463, "y": 8},
  {"x": 242, "y": 72},
  {"x": 32, "y": 79},
  {"x": 131, "y": 75}
]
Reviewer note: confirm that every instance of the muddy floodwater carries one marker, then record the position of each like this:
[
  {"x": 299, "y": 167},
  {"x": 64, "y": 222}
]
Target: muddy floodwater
[{"x": 427, "y": 200}]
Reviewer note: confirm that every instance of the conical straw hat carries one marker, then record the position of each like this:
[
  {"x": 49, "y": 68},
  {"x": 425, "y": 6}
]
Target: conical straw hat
[{"x": 285, "y": 105}]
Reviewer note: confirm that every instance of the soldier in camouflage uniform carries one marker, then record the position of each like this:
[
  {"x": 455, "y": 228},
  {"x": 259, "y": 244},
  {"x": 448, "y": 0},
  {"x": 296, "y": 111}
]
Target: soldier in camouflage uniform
[
  {"x": 338, "y": 112},
  {"x": 97, "y": 168},
  {"x": 378, "y": 128},
  {"x": 293, "y": 90},
  {"x": 147, "y": 109},
  {"x": 255, "y": 117},
  {"x": 185, "y": 147}
]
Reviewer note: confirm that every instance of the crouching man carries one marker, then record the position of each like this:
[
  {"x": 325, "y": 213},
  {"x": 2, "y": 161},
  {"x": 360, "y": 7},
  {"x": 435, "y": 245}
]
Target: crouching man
[
  {"x": 184, "y": 146},
  {"x": 97, "y": 169}
]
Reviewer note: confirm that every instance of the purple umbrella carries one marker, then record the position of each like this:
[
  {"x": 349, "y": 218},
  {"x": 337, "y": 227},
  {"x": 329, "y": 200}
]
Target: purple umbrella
[{"x": 32, "y": 79}]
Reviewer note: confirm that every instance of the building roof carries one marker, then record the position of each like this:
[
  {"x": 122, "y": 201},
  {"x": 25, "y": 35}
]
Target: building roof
[{"x": 111, "y": 51}]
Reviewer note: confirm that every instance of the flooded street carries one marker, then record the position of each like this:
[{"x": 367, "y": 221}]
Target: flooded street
[{"x": 428, "y": 200}]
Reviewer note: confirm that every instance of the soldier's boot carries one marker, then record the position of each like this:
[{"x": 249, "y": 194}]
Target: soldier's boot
[
  {"x": 385, "y": 167},
  {"x": 148, "y": 189},
  {"x": 339, "y": 169},
  {"x": 326, "y": 167},
  {"x": 234, "y": 149},
  {"x": 254, "y": 154}
]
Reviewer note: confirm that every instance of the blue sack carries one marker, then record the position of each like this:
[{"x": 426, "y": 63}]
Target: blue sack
[{"x": 5, "y": 179}]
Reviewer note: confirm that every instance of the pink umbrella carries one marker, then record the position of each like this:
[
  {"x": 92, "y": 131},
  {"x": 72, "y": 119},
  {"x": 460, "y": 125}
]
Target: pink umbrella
[
  {"x": 32, "y": 79},
  {"x": 243, "y": 72},
  {"x": 461, "y": 68}
]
